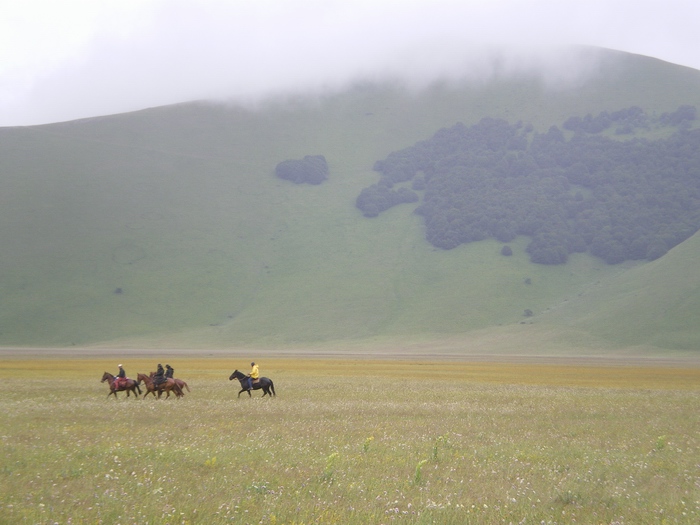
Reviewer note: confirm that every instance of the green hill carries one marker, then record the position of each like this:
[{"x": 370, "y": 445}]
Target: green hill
[
  {"x": 167, "y": 227},
  {"x": 654, "y": 304}
]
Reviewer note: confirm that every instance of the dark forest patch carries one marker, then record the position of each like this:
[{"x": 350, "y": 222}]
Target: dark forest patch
[{"x": 617, "y": 199}]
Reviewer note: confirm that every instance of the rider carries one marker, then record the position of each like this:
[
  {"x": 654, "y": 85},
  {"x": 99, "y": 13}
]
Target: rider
[
  {"x": 253, "y": 376},
  {"x": 159, "y": 376},
  {"x": 169, "y": 372},
  {"x": 121, "y": 377}
]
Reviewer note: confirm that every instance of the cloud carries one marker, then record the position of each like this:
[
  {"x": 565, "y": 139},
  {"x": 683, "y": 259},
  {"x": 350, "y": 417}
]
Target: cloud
[{"x": 119, "y": 56}]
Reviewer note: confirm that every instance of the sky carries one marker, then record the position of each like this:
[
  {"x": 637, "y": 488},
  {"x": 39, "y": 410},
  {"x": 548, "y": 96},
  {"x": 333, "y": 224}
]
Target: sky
[{"x": 70, "y": 59}]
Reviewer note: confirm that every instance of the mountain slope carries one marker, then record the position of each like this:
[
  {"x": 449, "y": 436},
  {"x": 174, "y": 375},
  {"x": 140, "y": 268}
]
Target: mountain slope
[
  {"x": 654, "y": 304},
  {"x": 168, "y": 226}
]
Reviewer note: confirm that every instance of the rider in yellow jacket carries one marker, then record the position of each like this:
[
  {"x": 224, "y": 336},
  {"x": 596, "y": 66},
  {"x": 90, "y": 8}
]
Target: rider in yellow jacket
[{"x": 254, "y": 375}]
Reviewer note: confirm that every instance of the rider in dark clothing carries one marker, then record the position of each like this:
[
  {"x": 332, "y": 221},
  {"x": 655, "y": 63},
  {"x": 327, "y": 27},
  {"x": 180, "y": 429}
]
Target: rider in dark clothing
[
  {"x": 169, "y": 372},
  {"x": 120, "y": 379},
  {"x": 159, "y": 376}
]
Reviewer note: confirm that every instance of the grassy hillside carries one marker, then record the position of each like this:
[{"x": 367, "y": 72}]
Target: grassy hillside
[
  {"x": 168, "y": 226},
  {"x": 654, "y": 304}
]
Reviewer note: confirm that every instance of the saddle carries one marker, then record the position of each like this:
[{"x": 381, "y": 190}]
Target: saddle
[{"x": 120, "y": 382}]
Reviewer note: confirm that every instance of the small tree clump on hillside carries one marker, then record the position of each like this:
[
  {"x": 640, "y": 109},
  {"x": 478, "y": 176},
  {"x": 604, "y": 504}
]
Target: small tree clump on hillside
[
  {"x": 312, "y": 169},
  {"x": 379, "y": 197}
]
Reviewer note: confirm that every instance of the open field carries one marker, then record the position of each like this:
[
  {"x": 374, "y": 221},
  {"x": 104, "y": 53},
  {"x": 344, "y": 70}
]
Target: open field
[{"x": 352, "y": 441}]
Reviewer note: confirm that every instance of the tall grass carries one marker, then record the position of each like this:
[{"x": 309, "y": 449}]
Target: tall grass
[{"x": 353, "y": 442}]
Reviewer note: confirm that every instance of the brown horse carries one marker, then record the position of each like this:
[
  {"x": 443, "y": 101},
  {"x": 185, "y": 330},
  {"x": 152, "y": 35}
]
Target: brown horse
[
  {"x": 129, "y": 386},
  {"x": 167, "y": 387},
  {"x": 182, "y": 385},
  {"x": 179, "y": 383}
]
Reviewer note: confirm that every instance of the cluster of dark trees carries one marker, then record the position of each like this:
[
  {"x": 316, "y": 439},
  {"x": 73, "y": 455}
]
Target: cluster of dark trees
[
  {"x": 379, "y": 197},
  {"x": 627, "y": 121},
  {"x": 617, "y": 199},
  {"x": 312, "y": 169}
]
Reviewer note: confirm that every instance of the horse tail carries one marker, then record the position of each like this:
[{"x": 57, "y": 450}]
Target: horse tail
[
  {"x": 272, "y": 387},
  {"x": 186, "y": 386},
  {"x": 137, "y": 387}
]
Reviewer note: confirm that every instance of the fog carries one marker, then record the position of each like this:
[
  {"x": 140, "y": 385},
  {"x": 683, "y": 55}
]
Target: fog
[{"x": 75, "y": 59}]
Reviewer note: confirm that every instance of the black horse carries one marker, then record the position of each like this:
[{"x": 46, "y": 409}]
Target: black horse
[{"x": 265, "y": 383}]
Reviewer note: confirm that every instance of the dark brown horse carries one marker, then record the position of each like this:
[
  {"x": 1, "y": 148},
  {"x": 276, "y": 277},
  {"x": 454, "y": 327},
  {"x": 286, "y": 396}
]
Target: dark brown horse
[
  {"x": 129, "y": 386},
  {"x": 265, "y": 383},
  {"x": 167, "y": 387}
]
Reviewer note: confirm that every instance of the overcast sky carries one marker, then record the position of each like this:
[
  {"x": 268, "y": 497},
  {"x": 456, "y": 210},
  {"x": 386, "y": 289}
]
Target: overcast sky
[{"x": 68, "y": 59}]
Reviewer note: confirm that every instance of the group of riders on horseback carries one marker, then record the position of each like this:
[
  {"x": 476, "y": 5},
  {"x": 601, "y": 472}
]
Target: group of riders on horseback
[
  {"x": 161, "y": 376},
  {"x": 162, "y": 380}
]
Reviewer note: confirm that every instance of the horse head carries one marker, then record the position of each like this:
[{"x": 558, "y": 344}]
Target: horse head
[
  {"x": 106, "y": 377},
  {"x": 236, "y": 375}
]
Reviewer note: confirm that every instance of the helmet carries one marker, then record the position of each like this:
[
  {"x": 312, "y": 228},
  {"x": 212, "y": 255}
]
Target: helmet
[
  {"x": 252, "y": 364},
  {"x": 119, "y": 366},
  {"x": 167, "y": 366}
]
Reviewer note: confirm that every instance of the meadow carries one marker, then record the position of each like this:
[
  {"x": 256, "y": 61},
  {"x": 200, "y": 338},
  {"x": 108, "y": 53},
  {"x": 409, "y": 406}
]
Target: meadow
[{"x": 352, "y": 441}]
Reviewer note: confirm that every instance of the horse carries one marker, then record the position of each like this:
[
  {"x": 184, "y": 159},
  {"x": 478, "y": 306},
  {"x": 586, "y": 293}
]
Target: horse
[
  {"x": 166, "y": 387},
  {"x": 182, "y": 385},
  {"x": 265, "y": 383},
  {"x": 179, "y": 382},
  {"x": 129, "y": 386}
]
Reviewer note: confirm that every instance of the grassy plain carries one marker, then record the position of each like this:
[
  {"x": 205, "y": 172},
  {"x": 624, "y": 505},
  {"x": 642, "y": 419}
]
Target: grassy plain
[{"x": 353, "y": 441}]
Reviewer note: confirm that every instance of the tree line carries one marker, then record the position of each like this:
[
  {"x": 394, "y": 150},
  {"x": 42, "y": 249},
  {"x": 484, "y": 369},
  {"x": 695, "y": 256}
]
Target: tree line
[{"x": 617, "y": 199}]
